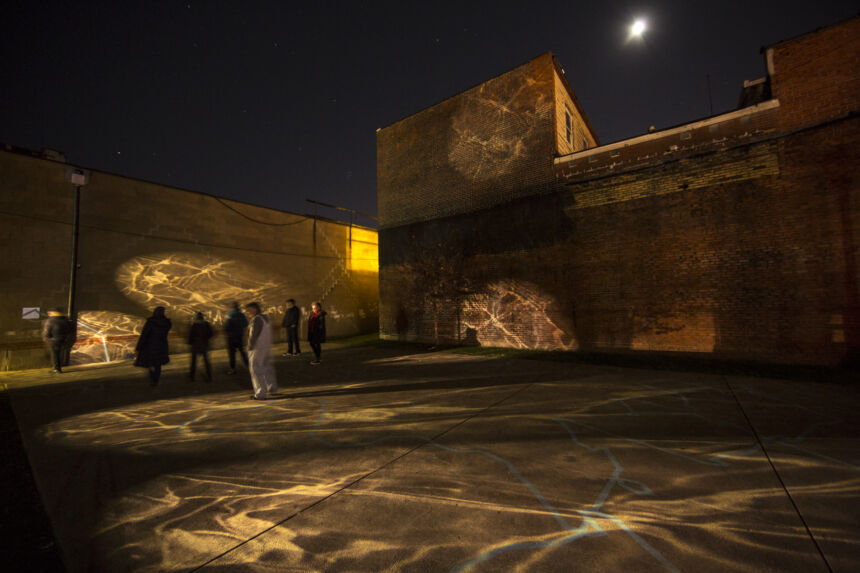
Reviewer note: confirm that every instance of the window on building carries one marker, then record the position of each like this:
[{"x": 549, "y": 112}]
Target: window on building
[{"x": 569, "y": 127}]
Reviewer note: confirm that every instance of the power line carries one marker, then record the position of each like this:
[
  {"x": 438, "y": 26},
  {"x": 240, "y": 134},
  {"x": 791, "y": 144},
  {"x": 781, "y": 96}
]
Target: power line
[
  {"x": 302, "y": 220},
  {"x": 185, "y": 241}
]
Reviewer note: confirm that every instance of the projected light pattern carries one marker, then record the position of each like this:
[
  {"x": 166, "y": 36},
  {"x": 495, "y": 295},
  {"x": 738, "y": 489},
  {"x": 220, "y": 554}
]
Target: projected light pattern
[
  {"x": 516, "y": 314},
  {"x": 104, "y": 332},
  {"x": 188, "y": 283},
  {"x": 485, "y": 145},
  {"x": 363, "y": 249},
  {"x": 236, "y": 469}
]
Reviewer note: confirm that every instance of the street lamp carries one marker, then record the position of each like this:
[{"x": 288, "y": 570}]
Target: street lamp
[{"x": 78, "y": 178}]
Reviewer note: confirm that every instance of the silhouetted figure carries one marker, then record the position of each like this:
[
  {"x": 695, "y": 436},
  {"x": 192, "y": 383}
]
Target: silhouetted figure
[
  {"x": 316, "y": 330},
  {"x": 152, "y": 350},
  {"x": 471, "y": 336},
  {"x": 198, "y": 338},
  {"x": 291, "y": 323},
  {"x": 402, "y": 324},
  {"x": 235, "y": 326},
  {"x": 260, "y": 353},
  {"x": 59, "y": 335}
]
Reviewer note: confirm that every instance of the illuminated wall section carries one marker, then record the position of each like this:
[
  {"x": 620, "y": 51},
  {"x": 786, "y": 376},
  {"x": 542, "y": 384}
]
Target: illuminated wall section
[
  {"x": 573, "y": 130},
  {"x": 363, "y": 248},
  {"x": 725, "y": 238},
  {"x": 485, "y": 146},
  {"x": 144, "y": 245}
]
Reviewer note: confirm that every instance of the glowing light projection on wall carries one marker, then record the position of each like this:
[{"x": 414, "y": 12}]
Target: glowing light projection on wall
[
  {"x": 517, "y": 314},
  {"x": 185, "y": 283},
  {"x": 363, "y": 250},
  {"x": 188, "y": 283},
  {"x": 485, "y": 145},
  {"x": 105, "y": 336}
]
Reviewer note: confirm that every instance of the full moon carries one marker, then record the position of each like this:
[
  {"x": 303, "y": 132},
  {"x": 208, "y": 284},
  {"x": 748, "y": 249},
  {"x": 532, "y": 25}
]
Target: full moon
[{"x": 637, "y": 28}]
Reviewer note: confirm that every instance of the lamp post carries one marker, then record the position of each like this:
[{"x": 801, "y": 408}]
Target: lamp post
[{"x": 78, "y": 178}]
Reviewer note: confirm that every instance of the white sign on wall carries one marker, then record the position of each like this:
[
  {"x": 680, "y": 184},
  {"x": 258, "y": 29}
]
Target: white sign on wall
[{"x": 30, "y": 313}]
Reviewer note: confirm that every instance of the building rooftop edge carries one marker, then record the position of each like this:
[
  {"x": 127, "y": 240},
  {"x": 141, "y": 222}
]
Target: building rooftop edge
[
  {"x": 14, "y": 149},
  {"x": 810, "y": 32},
  {"x": 461, "y": 92},
  {"x": 751, "y": 110}
]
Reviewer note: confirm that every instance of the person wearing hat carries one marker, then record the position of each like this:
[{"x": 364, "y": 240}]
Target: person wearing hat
[{"x": 58, "y": 333}]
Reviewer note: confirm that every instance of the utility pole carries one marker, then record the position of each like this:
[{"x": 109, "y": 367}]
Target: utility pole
[{"x": 79, "y": 178}]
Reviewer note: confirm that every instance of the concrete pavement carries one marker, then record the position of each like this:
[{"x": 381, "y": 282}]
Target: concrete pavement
[{"x": 395, "y": 459}]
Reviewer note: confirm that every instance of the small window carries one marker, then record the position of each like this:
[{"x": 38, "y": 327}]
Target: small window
[{"x": 569, "y": 127}]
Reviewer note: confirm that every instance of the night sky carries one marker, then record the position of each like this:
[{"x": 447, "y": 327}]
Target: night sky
[{"x": 274, "y": 102}]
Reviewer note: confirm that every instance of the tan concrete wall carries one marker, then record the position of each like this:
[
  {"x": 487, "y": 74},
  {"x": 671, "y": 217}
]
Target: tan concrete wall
[{"x": 143, "y": 245}]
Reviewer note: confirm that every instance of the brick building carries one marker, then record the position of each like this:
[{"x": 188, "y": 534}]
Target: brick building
[
  {"x": 504, "y": 222},
  {"x": 141, "y": 245}
]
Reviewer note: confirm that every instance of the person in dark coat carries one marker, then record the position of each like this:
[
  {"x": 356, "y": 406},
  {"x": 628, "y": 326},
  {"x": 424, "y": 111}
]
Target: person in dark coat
[
  {"x": 198, "y": 338},
  {"x": 316, "y": 330},
  {"x": 235, "y": 326},
  {"x": 291, "y": 323},
  {"x": 59, "y": 334},
  {"x": 152, "y": 351}
]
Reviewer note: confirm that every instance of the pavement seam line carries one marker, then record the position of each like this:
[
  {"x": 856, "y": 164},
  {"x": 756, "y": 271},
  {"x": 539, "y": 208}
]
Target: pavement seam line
[
  {"x": 357, "y": 480},
  {"x": 778, "y": 477}
]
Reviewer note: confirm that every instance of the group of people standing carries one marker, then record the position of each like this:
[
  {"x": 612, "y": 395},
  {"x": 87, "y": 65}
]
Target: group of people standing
[
  {"x": 316, "y": 329},
  {"x": 152, "y": 348}
]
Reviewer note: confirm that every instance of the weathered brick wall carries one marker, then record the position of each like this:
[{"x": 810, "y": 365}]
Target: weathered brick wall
[
  {"x": 143, "y": 245},
  {"x": 756, "y": 267},
  {"x": 815, "y": 77},
  {"x": 486, "y": 146},
  {"x": 734, "y": 239}
]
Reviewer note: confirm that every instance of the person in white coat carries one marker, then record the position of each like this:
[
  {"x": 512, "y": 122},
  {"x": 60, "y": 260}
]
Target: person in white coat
[{"x": 260, "y": 353}]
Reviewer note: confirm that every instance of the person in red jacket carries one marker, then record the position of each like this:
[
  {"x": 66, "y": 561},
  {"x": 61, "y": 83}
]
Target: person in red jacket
[{"x": 316, "y": 330}]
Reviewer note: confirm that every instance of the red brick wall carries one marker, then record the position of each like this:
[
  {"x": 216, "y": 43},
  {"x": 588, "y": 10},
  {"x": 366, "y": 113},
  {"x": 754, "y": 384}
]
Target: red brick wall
[
  {"x": 743, "y": 245},
  {"x": 488, "y": 145},
  {"x": 759, "y": 268},
  {"x": 817, "y": 76}
]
